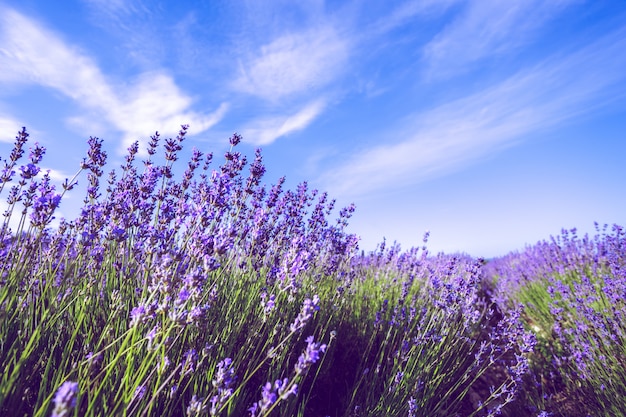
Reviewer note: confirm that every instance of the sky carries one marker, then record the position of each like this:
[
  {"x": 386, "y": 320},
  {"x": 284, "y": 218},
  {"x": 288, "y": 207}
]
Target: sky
[{"x": 491, "y": 124}]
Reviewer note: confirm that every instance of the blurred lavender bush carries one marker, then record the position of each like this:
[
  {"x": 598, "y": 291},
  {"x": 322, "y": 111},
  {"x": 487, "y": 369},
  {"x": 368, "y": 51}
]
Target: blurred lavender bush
[{"x": 214, "y": 294}]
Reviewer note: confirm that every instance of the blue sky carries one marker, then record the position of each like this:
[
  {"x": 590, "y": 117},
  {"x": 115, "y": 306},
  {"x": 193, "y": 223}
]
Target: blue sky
[{"x": 492, "y": 124}]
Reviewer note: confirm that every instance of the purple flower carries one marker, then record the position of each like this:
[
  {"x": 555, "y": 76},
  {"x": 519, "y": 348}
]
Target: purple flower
[
  {"x": 196, "y": 407},
  {"x": 225, "y": 375},
  {"x": 268, "y": 397},
  {"x": 45, "y": 203},
  {"x": 281, "y": 390},
  {"x": 235, "y": 139},
  {"x": 18, "y": 148},
  {"x": 310, "y": 355},
  {"x": 96, "y": 157},
  {"x": 142, "y": 314},
  {"x": 257, "y": 170},
  {"x": 284, "y": 390},
  {"x": 140, "y": 392},
  {"x": 268, "y": 304},
  {"x": 183, "y": 295},
  {"x": 29, "y": 171},
  {"x": 36, "y": 153},
  {"x": 152, "y": 334},
  {"x": 412, "y": 407},
  {"x": 189, "y": 361},
  {"x": 65, "y": 399},
  {"x": 309, "y": 307},
  {"x": 94, "y": 361},
  {"x": 6, "y": 174},
  {"x": 396, "y": 381},
  {"x": 197, "y": 314}
]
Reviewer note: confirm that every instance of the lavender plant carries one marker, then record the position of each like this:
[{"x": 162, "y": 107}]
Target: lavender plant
[
  {"x": 211, "y": 293},
  {"x": 423, "y": 342},
  {"x": 572, "y": 289}
]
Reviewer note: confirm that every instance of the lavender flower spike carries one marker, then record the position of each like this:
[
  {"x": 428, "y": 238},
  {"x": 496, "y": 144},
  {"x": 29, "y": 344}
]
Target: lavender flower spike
[
  {"x": 196, "y": 407},
  {"x": 310, "y": 355},
  {"x": 65, "y": 399},
  {"x": 223, "y": 381},
  {"x": 282, "y": 390},
  {"x": 308, "y": 308}
]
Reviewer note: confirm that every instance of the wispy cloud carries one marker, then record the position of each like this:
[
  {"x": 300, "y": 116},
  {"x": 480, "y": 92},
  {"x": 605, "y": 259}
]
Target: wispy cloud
[
  {"x": 293, "y": 63},
  {"x": 8, "y": 128},
  {"x": 264, "y": 131},
  {"x": 486, "y": 28},
  {"x": 31, "y": 54},
  {"x": 406, "y": 11},
  {"x": 455, "y": 134},
  {"x": 115, "y": 9},
  {"x": 135, "y": 26}
]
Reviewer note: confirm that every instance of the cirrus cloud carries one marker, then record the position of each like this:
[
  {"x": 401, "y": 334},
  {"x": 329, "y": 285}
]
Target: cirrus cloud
[
  {"x": 292, "y": 64},
  {"x": 32, "y": 54}
]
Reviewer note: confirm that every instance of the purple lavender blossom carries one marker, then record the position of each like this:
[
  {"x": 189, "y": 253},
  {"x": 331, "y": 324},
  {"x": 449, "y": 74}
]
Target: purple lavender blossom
[
  {"x": 29, "y": 171},
  {"x": 412, "y": 407},
  {"x": 196, "y": 407},
  {"x": 18, "y": 149},
  {"x": 65, "y": 399},
  {"x": 309, "y": 307},
  {"x": 44, "y": 204},
  {"x": 6, "y": 174},
  {"x": 310, "y": 355},
  {"x": 143, "y": 313},
  {"x": 268, "y": 397},
  {"x": 139, "y": 393},
  {"x": 235, "y": 139},
  {"x": 268, "y": 303},
  {"x": 257, "y": 170},
  {"x": 282, "y": 389},
  {"x": 397, "y": 379},
  {"x": 94, "y": 361}
]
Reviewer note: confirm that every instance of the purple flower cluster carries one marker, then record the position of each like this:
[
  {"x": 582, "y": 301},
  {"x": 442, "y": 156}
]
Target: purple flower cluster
[
  {"x": 281, "y": 390},
  {"x": 429, "y": 308},
  {"x": 310, "y": 355},
  {"x": 161, "y": 262},
  {"x": 161, "y": 244},
  {"x": 65, "y": 399},
  {"x": 171, "y": 235},
  {"x": 309, "y": 307},
  {"x": 572, "y": 289},
  {"x": 223, "y": 382}
]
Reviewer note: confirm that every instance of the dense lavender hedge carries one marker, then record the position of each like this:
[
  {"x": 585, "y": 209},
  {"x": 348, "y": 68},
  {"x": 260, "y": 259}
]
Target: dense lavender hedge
[{"x": 216, "y": 294}]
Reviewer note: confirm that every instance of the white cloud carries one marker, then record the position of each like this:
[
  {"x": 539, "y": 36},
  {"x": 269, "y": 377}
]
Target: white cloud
[
  {"x": 485, "y": 29},
  {"x": 267, "y": 130},
  {"x": 294, "y": 63},
  {"x": 57, "y": 176},
  {"x": 32, "y": 54},
  {"x": 8, "y": 129},
  {"x": 457, "y": 133}
]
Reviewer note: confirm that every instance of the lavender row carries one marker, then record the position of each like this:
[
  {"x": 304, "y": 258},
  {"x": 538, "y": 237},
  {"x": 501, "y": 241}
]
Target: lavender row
[
  {"x": 573, "y": 291},
  {"x": 211, "y": 293}
]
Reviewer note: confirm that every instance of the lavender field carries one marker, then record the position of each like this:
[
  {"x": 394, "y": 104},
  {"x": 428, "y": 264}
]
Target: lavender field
[{"x": 211, "y": 293}]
